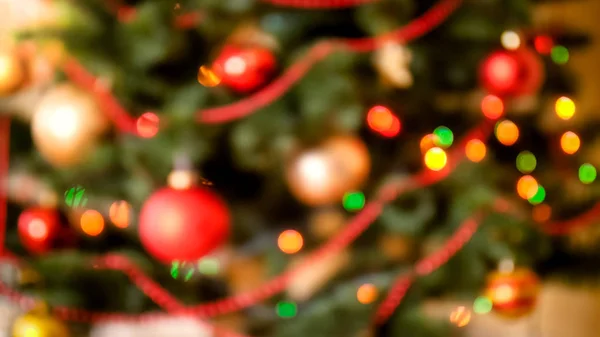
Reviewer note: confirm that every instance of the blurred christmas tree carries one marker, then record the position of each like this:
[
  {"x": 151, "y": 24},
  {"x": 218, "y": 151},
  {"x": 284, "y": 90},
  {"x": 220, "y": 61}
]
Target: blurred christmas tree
[{"x": 208, "y": 146}]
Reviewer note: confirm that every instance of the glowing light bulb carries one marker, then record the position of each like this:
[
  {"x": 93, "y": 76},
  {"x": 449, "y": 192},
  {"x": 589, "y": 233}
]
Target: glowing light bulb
[
  {"x": 565, "y": 108},
  {"x": 366, "y": 293},
  {"x": 527, "y": 187},
  {"x": 570, "y": 142},
  {"x": 492, "y": 107},
  {"x": 510, "y": 40},
  {"x": 436, "y": 159},
  {"x": 475, "y": 150},
  {"x": 290, "y": 241},
  {"x": 507, "y": 132},
  {"x": 63, "y": 122}
]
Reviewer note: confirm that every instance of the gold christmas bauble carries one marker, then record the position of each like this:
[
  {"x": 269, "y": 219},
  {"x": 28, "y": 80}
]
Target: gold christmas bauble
[
  {"x": 39, "y": 325},
  {"x": 13, "y": 72},
  {"x": 513, "y": 294},
  {"x": 322, "y": 175},
  {"x": 66, "y": 125}
]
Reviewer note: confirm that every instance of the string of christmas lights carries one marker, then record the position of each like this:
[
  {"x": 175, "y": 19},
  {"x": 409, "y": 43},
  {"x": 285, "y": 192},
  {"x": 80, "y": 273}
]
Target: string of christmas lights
[{"x": 125, "y": 122}]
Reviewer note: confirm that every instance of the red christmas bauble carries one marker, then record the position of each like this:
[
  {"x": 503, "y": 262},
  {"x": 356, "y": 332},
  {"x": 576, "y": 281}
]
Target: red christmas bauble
[
  {"x": 244, "y": 69},
  {"x": 512, "y": 73},
  {"x": 183, "y": 224},
  {"x": 38, "y": 229},
  {"x": 513, "y": 294}
]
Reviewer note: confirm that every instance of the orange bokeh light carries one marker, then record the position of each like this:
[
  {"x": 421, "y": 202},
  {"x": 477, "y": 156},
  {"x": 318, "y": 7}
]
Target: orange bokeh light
[
  {"x": 366, "y": 293},
  {"x": 460, "y": 316},
  {"x": 570, "y": 142},
  {"x": 527, "y": 187},
  {"x": 492, "y": 107},
  {"x": 507, "y": 133},
  {"x": 427, "y": 142},
  {"x": 147, "y": 125},
  {"x": 382, "y": 120},
  {"x": 119, "y": 213},
  {"x": 541, "y": 213},
  {"x": 92, "y": 222},
  {"x": 475, "y": 150},
  {"x": 393, "y": 130},
  {"x": 290, "y": 241}
]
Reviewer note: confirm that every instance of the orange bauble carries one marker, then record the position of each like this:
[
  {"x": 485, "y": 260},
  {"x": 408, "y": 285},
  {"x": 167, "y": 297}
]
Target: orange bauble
[
  {"x": 13, "y": 72},
  {"x": 324, "y": 174},
  {"x": 513, "y": 294}
]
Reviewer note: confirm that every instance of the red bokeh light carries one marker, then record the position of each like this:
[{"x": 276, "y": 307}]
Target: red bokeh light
[
  {"x": 492, "y": 107},
  {"x": 382, "y": 120},
  {"x": 500, "y": 73},
  {"x": 543, "y": 44}
]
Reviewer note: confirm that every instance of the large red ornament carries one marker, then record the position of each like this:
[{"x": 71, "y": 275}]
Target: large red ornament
[
  {"x": 512, "y": 73},
  {"x": 38, "y": 229},
  {"x": 513, "y": 294},
  {"x": 183, "y": 224},
  {"x": 244, "y": 69}
]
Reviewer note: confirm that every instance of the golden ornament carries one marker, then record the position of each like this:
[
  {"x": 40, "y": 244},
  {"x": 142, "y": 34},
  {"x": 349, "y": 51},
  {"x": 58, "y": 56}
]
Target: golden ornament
[
  {"x": 39, "y": 323},
  {"x": 513, "y": 293},
  {"x": 66, "y": 125},
  {"x": 13, "y": 72},
  {"x": 325, "y": 223},
  {"x": 392, "y": 61},
  {"x": 322, "y": 175}
]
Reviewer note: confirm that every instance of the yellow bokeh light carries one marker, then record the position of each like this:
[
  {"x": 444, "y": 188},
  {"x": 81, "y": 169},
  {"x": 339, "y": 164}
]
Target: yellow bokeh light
[
  {"x": 507, "y": 132},
  {"x": 427, "y": 142},
  {"x": 565, "y": 108},
  {"x": 207, "y": 77},
  {"x": 290, "y": 241},
  {"x": 570, "y": 142},
  {"x": 527, "y": 187},
  {"x": 436, "y": 159},
  {"x": 366, "y": 293},
  {"x": 510, "y": 40},
  {"x": 541, "y": 213},
  {"x": 460, "y": 316},
  {"x": 475, "y": 150},
  {"x": 504, "y": 294}
]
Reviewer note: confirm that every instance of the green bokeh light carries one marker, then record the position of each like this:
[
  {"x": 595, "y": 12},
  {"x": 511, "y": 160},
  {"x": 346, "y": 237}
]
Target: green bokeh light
[
  {"x": 560, "y": 55},
  {"x": 587, "y": 173},
  {"x": 526, "y": 162},
  {"x": 444, "y": 136},
  {"x": 482, "y": 305},
  {"x": 286, "y": 309},
  {"x": 208, "y": 266},
  {"x": 539, "y": 196},
  {"x": 354, "y": 201}
]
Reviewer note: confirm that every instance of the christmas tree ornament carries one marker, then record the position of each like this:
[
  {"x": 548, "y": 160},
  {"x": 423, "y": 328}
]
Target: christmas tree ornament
[
  {"x": 512, "y": 73},
  {"x": 39, "y": 323},
  {"x": 322, "y": 175},
  {"x": 13, "y": 72},
  {"x": 244, "y": 69},
  {"x": 38, "y": 229},
  {"x": 66, "y": 125},
  {"x": 513, "y": 293},
  {"x": 392, "y": 61},
  {"x": 183, "y": 224},
  {"x": 312, "y": 276}
]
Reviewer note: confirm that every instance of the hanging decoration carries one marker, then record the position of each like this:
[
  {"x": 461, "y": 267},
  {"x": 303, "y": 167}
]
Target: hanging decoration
[
  {"x": 13, "y": 72},
  {"x": 392, "y": 61},
  {"x": 38, "y": 229},
  {"x": 244, "y": 69},
  {"x": 66, "y": 125},
  {"x": 183, "y": 224},
  {"x": 39, "y": 323},
  {"x": 322, "y": 175},
  {"x": 513, "y": 293},
  {"x": 512, "y": 73}
]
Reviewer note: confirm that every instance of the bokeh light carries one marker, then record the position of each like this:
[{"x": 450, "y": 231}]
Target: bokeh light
[
  {"x": 510, "y": 40},
  {"x": 436, "y": 159},
  {"x": 290, "y": 241},
  {"x": 147, "y": 125},
  {"x": 527, "y": 187},
  {"x": 475, "y": 150},
  {"x": 541, "y": 213},
  {"x": 507, "y": 132},
  {"x": 587, "y": 173},
  {"x": 565, "y": 108},
  {"x": 208, "y": 266},
  {"x": 182, "y": 268},
  {"x": 286, "y": 309},
  {"x": 92, "y": 222},
  {"x": 366, "y": 293},
  {"x": 354, "y": 201},
  {"x": 492, "y": 107},
  {"x": 560, "y": 55},
  {"x": 539, "y": 196},
  {"x": 427, "y": 142},
  {"x": 207, "y": 77},
  {"x": 570, "y": 142},
  {"x": 543, "y": 44},
  {"x": 526, "y": 162},
  {"x": 38, "y": 230},
  {"x": 119, "y": 213},
  {"x": 382, "y": 120},
  {"x": 460, "y": 316},
  {"x": 482, "y": 305},
  {"x": 443, "y": 137}
]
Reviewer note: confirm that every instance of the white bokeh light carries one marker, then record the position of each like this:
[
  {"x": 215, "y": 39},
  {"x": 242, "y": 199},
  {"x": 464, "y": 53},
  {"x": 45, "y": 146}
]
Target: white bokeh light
[
  {"x": 313, "y": 168},
  {"x": 62, "y": 122},
  {"x": 510, "y": 40},
  {"x": 235, "y": 66}
]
